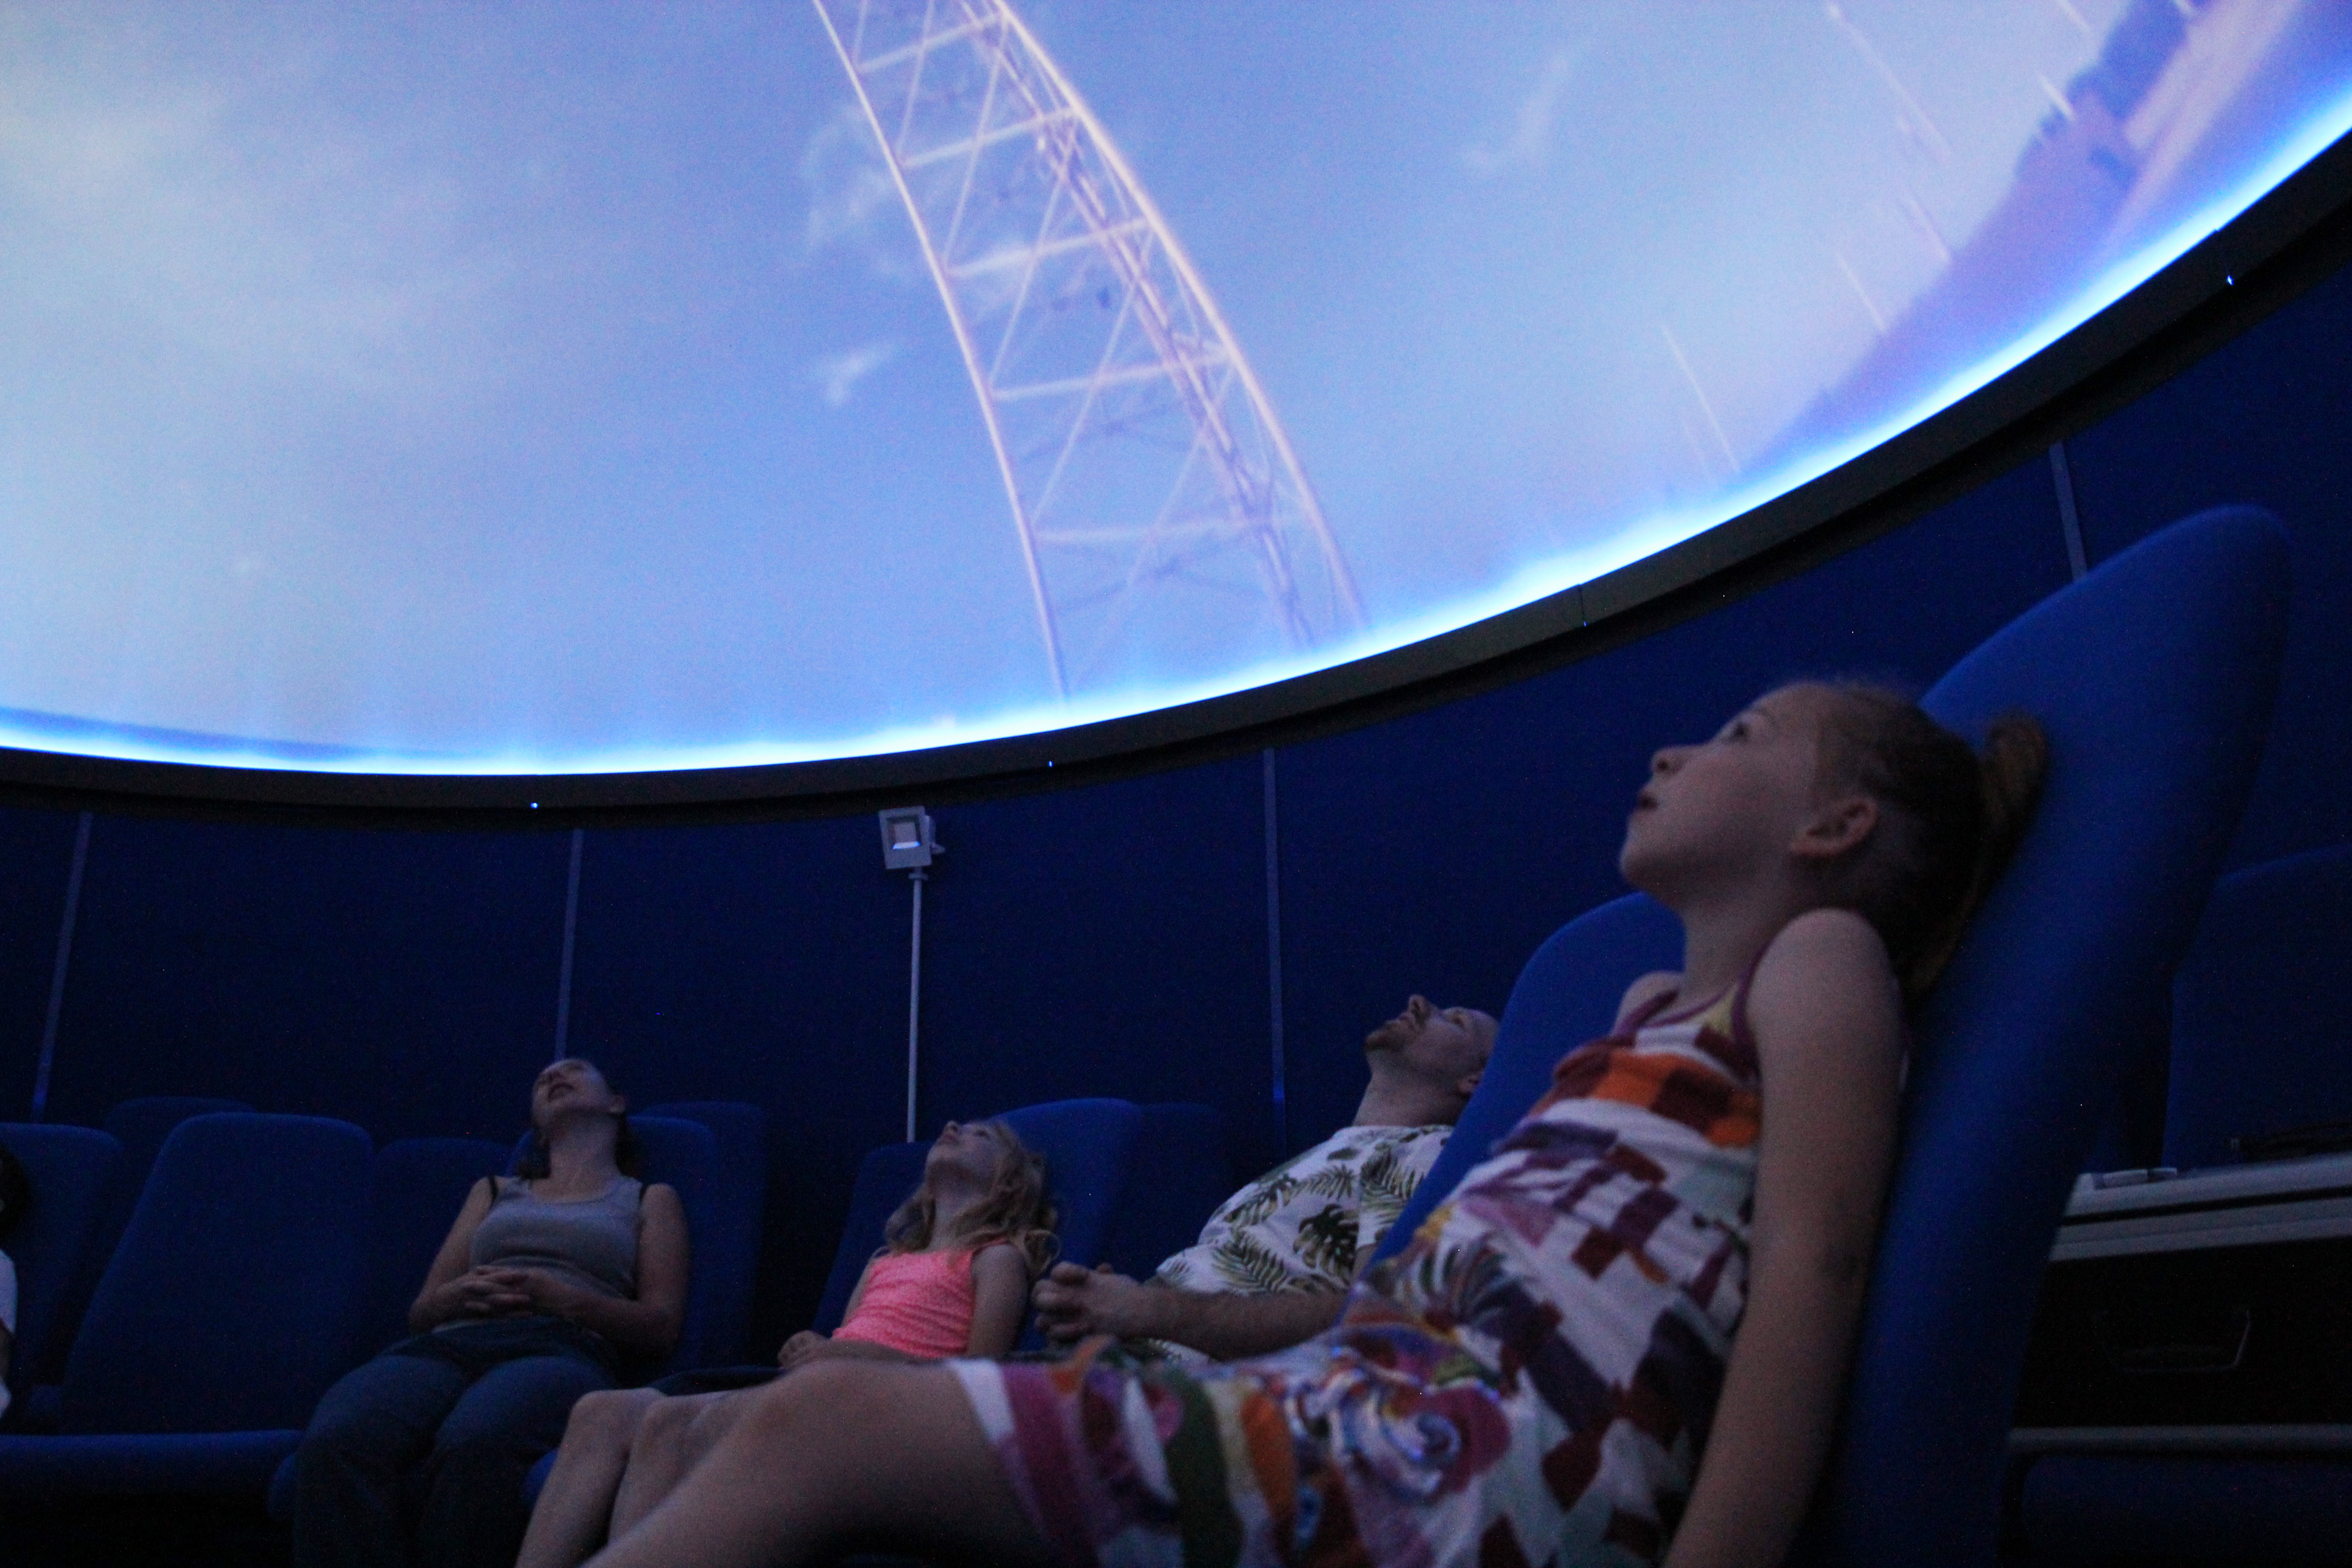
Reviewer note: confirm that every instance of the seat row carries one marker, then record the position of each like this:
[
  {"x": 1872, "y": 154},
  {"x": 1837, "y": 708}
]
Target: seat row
[
  {"x": 2153, "y": 676},
  {"x": 264, "y": 1255},
  {"x": 2259, "y": 1012}
]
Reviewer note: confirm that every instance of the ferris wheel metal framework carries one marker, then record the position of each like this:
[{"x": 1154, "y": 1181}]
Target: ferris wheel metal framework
[{"x": 1165, "y": 522}]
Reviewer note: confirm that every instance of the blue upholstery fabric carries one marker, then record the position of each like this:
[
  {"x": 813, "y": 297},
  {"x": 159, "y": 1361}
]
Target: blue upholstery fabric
[
  {"x": 220, "y": 1320},
  {"x": 2259, "y": 1009},
  {"x": 685, "y": 1155},
  {"x": 1182, "y": 1175},
  {"x": 1567, "y": 995},
  {"x": 2155, "y": 678},
  {"x": 885, "y": 1177},
  {"x": 1089, "y": 1148},
  {"x": 225, "y": 1304},
  {"x": 70, "y": 1168},
  {"x": 726, "y": 1253},
  {"x": 2257, "y": 1026},
  {"x": 2079, "y": 1507},
  {"x": 140, "y": 1126},
  {"x": 417, "y": 1186}
]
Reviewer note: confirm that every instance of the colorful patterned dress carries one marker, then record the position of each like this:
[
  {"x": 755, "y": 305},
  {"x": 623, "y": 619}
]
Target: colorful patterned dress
[{"x": 1528, "y": 1381}]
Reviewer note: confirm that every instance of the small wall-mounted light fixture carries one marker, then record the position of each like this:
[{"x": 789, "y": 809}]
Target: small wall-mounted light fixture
[
  {"x": 907, "y": 841},
  {"x": 908, "y": 845}
]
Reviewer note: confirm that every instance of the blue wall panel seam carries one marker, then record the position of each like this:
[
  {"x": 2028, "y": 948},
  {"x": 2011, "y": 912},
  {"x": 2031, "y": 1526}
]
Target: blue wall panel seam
[
  {"x": 2069, "y": 522},
  {"x": 57, "y": 970},
  {"x": 1274, "y": 950},
  {"x": 571, "y": 927}
]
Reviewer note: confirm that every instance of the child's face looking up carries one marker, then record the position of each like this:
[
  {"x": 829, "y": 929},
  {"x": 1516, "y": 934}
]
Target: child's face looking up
[
  {"x": 1730, "y": 807},
  {"x": 968, "y": 1148}
]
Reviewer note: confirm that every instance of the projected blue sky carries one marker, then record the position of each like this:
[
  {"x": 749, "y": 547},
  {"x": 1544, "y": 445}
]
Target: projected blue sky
[{"x": 562, "y": 388}]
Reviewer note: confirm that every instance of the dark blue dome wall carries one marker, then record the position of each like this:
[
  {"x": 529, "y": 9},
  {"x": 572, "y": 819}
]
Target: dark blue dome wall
[{"x": 1109, "y": 940}]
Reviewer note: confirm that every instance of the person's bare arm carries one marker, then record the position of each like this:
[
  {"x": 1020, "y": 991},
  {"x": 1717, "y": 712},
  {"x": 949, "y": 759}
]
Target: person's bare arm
[
  {"x": 648, "y": 1325},
  {"x": 1829, "y": 1034},
  {"x": 1072, "y": 1303},
  {"x": 999, "y": 1288}
]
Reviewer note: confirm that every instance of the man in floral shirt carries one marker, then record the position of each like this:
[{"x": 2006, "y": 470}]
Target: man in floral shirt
[{"x": 1276, "y": 1260}]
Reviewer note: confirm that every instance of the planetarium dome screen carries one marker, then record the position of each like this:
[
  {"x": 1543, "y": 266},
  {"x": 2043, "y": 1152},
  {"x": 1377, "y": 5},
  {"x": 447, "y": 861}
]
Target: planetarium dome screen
[{"x": 569, "y": 388}]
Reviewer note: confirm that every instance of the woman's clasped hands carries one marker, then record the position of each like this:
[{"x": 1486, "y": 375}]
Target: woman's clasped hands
[{"x": 494, "y": 1291}]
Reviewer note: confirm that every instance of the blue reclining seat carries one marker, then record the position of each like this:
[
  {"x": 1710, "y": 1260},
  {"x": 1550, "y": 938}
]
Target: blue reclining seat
[
  {"x": 416, "y": 1188},
  {"x": 2153, "y": 677},
  {"x": 219, "y": 1323},
  {"x": 2259, "y": 1009},
  {"x": 1089, "y": 1148},
  {"x": 685, "y": 1155},
  {"x": 727, "y": 1252},
  {"x": 70, "y": 1168},
  {"x": 2258, "y": 1046},
  {"x": 139, "y": 1125},
  {"x": 1180, "y": 1155},
  {"x": 885, "y": 1177}
]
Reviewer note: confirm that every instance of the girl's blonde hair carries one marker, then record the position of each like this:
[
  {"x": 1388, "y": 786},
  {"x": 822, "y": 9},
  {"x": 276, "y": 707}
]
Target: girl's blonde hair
[
  {"x": 1950, "y": 818},
  {"x": 1018, "y": 1210}
]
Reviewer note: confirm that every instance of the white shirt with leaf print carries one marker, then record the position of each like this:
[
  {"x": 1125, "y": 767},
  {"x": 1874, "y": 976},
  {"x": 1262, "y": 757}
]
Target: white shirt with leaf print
[{"x": 1304, "y": 1225}]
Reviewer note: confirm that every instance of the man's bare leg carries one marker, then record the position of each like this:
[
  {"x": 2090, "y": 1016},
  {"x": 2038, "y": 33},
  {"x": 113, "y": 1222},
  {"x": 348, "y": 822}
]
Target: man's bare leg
[
  {"x": 569, "y": 1521},
  {"x": 671, "y": 1440},
  {"x": 839, "y": 1451}
]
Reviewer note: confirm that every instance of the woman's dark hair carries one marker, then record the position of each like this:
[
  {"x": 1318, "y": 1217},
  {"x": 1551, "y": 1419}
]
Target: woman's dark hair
[
  {"x": 1950, "y": 818},
  {"x": 1018, "y": 1211},
  {"x": 628, "y": 1148},
  {"x": 15, "y": 1191}
]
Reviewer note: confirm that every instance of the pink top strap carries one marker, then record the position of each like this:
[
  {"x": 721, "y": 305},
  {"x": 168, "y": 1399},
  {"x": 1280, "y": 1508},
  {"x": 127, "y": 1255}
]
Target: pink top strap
[{"x": 918, "y": 1303}]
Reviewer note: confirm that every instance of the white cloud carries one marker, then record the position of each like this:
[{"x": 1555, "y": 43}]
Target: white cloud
[
  {"x": 1529, "y": 146},
  {"x": 852, "y": 202},
  {"x": 289, "y": 250},
  {"x": 837, "y": 375}
]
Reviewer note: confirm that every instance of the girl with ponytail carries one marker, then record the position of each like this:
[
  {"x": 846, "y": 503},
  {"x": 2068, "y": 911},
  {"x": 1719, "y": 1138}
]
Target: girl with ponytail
[{"x": 1666, "y": 1255}]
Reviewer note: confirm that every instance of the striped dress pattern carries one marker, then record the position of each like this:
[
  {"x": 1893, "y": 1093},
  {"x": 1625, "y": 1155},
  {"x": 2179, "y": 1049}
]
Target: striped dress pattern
[{"x": 1529, "y": 1381}]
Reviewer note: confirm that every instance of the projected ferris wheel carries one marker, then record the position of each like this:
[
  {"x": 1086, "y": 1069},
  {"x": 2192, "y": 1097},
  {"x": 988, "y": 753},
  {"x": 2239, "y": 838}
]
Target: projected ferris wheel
[{"x": 1161, "y": 510}]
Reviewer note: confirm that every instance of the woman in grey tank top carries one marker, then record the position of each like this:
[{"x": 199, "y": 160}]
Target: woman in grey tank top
[{"x": 548, "y": 1280}]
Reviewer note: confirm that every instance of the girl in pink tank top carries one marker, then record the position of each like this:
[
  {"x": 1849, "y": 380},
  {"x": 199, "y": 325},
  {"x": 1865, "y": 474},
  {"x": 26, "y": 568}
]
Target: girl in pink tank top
[
  {"x": 952, "y": 1279},
  {"x": 953, "y": 1274}
]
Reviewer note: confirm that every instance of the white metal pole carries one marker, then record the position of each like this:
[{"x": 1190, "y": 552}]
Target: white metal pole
[{"x": 914, "y": 998}]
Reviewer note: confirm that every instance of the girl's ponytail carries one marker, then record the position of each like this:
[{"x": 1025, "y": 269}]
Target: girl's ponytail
[
  {"x": 2014, "y": 762},
  {"x": 1951, "y": 819},
  {"x": 2010, "y": 771}
]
